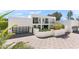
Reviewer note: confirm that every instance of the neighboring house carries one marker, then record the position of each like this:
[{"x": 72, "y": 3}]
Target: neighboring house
[
  {"x": 27, "y": 24},
  {"x": 75, "y": 25},
  {"x": 71, "y": 25}
]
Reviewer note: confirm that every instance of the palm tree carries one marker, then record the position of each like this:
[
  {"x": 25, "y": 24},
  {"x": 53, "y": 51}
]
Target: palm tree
[
  {"x": 5, "y": 14},
  {"x": 70, "y": 14},
  {"x": 4, "y": 35}
]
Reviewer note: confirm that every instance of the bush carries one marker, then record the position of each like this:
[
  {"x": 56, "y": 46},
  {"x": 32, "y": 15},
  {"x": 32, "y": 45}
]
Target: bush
[
  {"x": 3, "y": 25},
  {"x": 44, "y": 30},
  {"x": 58, "y": 26},
  {"x": 21, "y": 45}
]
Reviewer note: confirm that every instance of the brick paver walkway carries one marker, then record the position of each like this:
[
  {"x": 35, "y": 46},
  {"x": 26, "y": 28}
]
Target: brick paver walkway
[{"x": 72, "y": 41}]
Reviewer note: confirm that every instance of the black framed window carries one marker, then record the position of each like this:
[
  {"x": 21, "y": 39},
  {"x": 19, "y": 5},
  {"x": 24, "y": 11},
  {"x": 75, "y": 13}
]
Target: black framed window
[
  {"x": 46, "y": 20},
  {"x": 35, "y": 20}
]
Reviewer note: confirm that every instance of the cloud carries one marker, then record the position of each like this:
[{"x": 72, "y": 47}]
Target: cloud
[
  {"x": 16, "y": 14},
  {"x": 63, "y": 19},
  {"x": 1, "y": 11},
  {"x": 76, "y": 12},
  {"x": 35, "y": 12},
  {"x": 19, "y": 14}
]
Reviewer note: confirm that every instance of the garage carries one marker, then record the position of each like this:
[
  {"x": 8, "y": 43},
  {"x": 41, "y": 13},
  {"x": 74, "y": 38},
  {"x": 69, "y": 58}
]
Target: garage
[
  {"x": 75, "y": 28},
  {"x": 20, "y": 29}
]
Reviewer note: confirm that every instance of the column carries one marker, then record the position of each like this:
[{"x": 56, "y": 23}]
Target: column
[
  {"x": 41, "y": 23},
  {"x": 48, "y": 23}
]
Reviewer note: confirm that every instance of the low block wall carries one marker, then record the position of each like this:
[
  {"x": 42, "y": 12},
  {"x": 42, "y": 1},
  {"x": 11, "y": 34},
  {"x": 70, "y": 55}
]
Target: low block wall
[{"x": 49, "y": 33}]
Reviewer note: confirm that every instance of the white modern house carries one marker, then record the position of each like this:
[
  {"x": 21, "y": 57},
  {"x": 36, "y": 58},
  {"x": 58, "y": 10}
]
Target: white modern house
[{"x": 27, "y": 24}]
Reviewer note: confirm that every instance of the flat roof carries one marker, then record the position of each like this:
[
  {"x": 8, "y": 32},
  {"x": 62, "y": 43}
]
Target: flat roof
[
  {"x": 37, "y": 15},
  {"x": 33, "y": 15}
]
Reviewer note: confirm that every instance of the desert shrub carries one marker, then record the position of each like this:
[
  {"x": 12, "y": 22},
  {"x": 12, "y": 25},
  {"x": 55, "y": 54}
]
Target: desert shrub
[
  {"x": 58, "y": 26},
  {"x": 21, "y": 45}
]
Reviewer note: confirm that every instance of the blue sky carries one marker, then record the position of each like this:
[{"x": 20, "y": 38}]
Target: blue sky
[
  {"x": 41, "y": 12},
  {"x": 25, "y": 13}
]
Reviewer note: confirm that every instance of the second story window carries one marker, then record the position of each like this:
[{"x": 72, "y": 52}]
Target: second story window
[
  {"x": 35, "y": 20},
  {"x": 46, "y": 20}
]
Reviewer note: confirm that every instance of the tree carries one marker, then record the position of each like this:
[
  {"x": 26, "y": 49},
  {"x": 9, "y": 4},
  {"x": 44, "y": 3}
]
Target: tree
[
  {"x": 4, "y": 35},
  {"x": 5, "y": 14},
  {"x": 69, "y": 14},
  {"x": 57, "y": 15},
  {"x": 4, "y": 21}
]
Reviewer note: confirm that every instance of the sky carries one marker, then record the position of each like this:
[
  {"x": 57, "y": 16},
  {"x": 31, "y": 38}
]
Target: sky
[{"x": 25, "y": 13}]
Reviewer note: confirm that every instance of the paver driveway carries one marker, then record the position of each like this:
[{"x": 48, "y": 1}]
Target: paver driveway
[{"x": 72, "y": 41}]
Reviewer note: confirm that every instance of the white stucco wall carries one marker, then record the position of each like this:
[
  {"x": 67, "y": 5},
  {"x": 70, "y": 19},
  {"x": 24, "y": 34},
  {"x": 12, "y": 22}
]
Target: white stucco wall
[
  {"x": 26, "y": 21},
  {"x": 19, "y": 21}
]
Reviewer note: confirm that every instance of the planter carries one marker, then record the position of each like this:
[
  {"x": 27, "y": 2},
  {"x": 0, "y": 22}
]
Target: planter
[
  {"x": 52, "y": 32},
  {"x": 44, "y": 34},
  {"x": 59, "y": 32},
  {"x": 35, "y": 30}
]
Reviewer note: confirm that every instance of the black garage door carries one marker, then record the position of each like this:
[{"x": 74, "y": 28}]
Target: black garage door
[
  {"x": 75, "y": 29},
  {"x": 20, "y": 29}
]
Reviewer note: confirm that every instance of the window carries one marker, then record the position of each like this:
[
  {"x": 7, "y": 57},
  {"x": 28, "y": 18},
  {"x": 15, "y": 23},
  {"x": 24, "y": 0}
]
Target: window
[
  {"x": 35, "y": 19},
  {"x": 37, "y": 26},
  {"x": 34, "y": 26},
  {"x": 45, "y": 26},
  {"x": 46, "y": 20}
]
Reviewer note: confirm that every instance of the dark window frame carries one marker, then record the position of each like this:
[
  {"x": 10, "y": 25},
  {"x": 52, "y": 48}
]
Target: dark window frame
[{"x": 35, "y": 20}]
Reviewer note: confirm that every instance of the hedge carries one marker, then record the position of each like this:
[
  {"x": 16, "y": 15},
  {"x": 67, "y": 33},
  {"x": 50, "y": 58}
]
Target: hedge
[
  {"x": 58, "y": 26},
  {"x": 3, "y": 25}
]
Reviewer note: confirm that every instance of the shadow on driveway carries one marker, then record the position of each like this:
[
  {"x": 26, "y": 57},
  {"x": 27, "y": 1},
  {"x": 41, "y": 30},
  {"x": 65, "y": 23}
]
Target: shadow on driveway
[
  {"x": 21, "y": 35},
  {"x": 64, "y": 36},
  {"x": 77, "y": 32}
]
